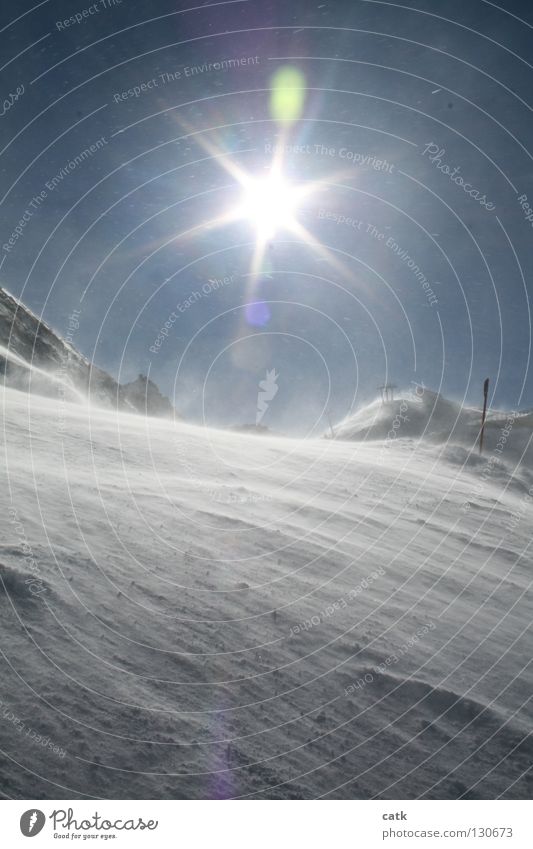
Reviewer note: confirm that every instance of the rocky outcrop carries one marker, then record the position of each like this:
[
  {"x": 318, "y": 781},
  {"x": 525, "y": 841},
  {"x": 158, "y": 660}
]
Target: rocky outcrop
[{"x": 144, "y": 396}]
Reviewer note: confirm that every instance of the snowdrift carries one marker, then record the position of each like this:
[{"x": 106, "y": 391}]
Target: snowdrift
[
  {"x": 222, "y": 615},
  {"x": 422, "y": 414}
]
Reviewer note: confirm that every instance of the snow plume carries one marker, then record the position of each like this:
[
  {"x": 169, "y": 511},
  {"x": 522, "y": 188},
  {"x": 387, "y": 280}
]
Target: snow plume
[{"x": 268, "y": 391}]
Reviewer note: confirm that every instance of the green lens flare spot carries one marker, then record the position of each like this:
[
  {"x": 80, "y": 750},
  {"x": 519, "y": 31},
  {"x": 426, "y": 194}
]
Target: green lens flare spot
[{"x": 288, "y": 94}]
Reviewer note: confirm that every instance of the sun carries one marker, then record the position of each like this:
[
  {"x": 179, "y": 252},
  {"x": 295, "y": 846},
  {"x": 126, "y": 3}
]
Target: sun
[{"x": 269, "y": 204}]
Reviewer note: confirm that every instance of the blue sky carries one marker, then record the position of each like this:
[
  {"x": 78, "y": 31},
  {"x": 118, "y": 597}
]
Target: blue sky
[{"x": 415, "y": 135}]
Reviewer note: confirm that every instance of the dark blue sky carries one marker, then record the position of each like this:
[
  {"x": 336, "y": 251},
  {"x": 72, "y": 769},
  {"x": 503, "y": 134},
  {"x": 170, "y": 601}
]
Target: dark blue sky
[{"x": 417, "y": 124}]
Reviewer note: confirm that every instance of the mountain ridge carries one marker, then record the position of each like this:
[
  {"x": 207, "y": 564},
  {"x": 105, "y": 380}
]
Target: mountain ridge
[{"x": 34, "y": 357}]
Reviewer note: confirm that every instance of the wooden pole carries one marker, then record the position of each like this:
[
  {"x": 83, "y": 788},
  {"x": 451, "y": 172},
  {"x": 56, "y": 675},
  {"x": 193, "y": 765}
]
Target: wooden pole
[{"x": 482, "y": 431}]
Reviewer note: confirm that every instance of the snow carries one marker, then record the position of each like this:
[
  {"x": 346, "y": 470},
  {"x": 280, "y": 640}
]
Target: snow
[
  {"x": 35, "y": 358},
  {"x": 422, "y": 413},
  {"x": 192, "y": 613}
]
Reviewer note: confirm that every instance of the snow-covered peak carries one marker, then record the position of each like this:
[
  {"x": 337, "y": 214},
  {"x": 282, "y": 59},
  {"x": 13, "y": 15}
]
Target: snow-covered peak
[
  {"x": 414, "y": 414},
  {"x": 422, "y": 414}
]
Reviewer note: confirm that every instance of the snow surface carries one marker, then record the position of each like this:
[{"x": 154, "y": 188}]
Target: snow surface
[
  {"x": 218, "y": 615},
  {"x": 421, "y": 413}
]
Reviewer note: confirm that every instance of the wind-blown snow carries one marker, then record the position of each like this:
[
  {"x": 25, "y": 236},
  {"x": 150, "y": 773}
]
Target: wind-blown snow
[
  {"x": 193, "y": 613},
  {"x": 35, "y": 358},
  {"x": 421, "y": 413}
]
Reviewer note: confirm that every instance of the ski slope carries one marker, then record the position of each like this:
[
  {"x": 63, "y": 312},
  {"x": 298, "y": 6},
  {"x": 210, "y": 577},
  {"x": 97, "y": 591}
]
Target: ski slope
[{"x": 191, "y": 613}]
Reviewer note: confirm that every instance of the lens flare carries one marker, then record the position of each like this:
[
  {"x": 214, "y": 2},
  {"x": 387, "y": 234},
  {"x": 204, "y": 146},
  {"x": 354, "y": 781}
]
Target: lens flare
[
  {"x": 288, "y": 95},
  {"x": 269, "y": 204},
  {"x": 257, "y": 314}
]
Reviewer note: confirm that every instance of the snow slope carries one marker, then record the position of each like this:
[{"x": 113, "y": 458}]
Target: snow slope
[
  {"x": 422, "y": 414},
  {"x": 33, "y": 357},
  {"x": 191, "y": 613}
]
